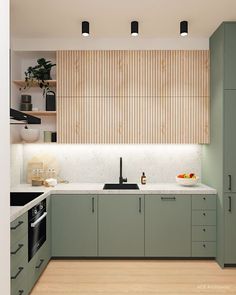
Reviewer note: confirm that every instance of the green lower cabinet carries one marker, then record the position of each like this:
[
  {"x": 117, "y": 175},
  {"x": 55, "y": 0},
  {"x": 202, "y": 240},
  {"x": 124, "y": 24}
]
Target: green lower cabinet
[
  {"x": 204, "y": 249},
  {"x": 168, "y": 226},
  {"x": 74, "y": 225},
  {"x": 121, "y": 226},
  {"x": 19, "y": 279},
  {"x": 230, "y": 230}
]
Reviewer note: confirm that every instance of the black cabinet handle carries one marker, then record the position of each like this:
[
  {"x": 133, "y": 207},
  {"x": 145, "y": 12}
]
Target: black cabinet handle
[
  {"x": 230, "y": 182},
  {"x": 16, "y": 275},
  {"x": 140, "y": 205},
  {"x": 204, "y": 229},
  {"x": 204, "y": 246},
  {"x": 93, "y": 204},
  {"x": 204, "y": 198},
  {"x": 41, "y": 262},
  {"x": 21, "y": 292},
  {"x": 168, "y": 198},
  {"x": 19, "y": 247},
  {"x": 230, "y": 204},
  {"x": 18, "y": 224},
  {"x": 204, "y": 214}
]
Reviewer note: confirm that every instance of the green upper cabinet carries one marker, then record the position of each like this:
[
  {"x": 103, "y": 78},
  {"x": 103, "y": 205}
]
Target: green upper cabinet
[
  {"x": 230, "y": 232},
  {"x": 230, "y": 55},
  {"x": 168, "y": 226},
  {"x": 74, "y": 225},
  {"x": 121, "y": 225},
  {"x": 229, "y": 141}
]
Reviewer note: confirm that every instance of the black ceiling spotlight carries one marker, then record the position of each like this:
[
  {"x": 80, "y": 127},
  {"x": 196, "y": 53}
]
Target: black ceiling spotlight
[
  {"x": 134, "y": 28},
  {"x": 184, "y": 28},
  {"x": 85, "y": 28}
]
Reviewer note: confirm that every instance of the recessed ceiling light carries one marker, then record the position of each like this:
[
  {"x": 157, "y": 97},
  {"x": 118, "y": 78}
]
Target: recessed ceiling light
[
  {"x": 184, "y": 28},
  {"x": 134, "y": 28},
  {"x": 85, "y": 28}
]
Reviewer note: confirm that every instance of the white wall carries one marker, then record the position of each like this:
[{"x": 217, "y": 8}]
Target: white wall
[
  {"x": 5, "y": 151},
  {"x": 100, "y": 163},
  {"x": 129, "y": 43}
]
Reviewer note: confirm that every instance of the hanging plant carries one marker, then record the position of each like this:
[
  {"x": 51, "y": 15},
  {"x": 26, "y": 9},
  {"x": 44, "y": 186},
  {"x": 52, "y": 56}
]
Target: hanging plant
[{"x": 39, "y": 74}]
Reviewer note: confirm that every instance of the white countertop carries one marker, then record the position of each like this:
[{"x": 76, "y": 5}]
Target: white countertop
[{"x": 97, "y": 188}]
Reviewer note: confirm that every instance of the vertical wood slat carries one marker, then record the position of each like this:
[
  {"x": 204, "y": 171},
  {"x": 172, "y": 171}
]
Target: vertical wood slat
[{"x": 133, "y": 96}]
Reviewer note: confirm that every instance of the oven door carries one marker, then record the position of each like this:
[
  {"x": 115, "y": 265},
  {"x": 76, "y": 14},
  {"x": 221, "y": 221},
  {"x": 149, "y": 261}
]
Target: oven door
[{"x": 36, "y": 234}]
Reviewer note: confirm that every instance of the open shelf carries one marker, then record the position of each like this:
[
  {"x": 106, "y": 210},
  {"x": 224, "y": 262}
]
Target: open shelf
[
  {"x": 41, "y": 113},
  {"x": 21, "y": 83}
]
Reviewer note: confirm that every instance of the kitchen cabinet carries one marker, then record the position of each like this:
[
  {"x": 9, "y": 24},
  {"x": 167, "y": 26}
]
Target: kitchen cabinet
[
  {"x": 133, "y": 96},
  {"x": 74, "y": 225},
  {"x": 230, "y": 56},
  {"x": 121, "y": 225},
  {"x": 230, "y": 231},
  {"x": 218, "y": 161},
  {"x": 229, "y": 140},
  {"x": 168, "y": 226}
]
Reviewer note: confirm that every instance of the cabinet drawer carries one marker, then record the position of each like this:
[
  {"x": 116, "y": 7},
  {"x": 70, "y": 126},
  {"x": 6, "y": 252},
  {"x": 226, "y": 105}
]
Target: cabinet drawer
[
  {"x": 204, "y": 202},
  {"x": 203, "y": 217},
  {"x": 19, "y": 251},
  {"x": 21, "y": 288},
  {"x": 37, "y": 265},
  {"x": 203, "y": 249},
  {"x": 19, "y": 227},
  {"x": 18, "y": 278},
  {"x": 203, "y": 233}
]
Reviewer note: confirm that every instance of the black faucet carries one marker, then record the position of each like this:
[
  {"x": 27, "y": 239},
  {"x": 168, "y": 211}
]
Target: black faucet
[{"x": 121, "y": 179}]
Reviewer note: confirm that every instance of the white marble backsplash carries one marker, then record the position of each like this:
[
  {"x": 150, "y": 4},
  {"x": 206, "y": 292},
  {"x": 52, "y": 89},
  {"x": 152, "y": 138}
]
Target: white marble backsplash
[{"x": 100, "y": 163}]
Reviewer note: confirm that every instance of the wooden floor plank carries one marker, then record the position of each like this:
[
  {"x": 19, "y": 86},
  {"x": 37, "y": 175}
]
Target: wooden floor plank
[{"x": 135, "y": 277}]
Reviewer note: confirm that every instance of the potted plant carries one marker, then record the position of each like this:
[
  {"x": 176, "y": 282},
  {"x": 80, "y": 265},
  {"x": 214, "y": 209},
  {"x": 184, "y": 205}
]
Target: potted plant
[{"x": 39, "y": 74}]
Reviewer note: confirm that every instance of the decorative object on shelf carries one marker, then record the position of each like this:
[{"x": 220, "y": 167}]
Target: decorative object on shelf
[
  {"x": 26, "y": 104},
  {"x": 54, "y": 137},
  {"x": 143, "y": 178},
  {"x": 187, "y": 179},
  {"x": 50, "y": 101},
  {"x": 40, "y": 74},
  {"x": 29, "y": 135},
  {"x": 47, "y": 136}
]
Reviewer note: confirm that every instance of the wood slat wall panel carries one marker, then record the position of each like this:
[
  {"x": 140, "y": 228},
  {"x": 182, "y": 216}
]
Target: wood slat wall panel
[
  {"x": 133, "y": 73},
  {"x": 133, "y": 120},
  {"x": 133, "y": 97}
]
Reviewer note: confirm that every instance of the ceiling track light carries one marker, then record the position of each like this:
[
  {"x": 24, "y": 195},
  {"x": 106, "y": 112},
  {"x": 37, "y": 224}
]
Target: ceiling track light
[
  {"x": 134, "y": 28},
  {"x": 183, "y": 28},
  {"x": 85, "y": 28}
]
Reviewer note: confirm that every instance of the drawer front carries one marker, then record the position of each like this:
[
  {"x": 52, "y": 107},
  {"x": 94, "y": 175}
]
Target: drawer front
[
  {"x": 37, "y": 265},
  {"x": 203, "y": 217},
  {"x": 204, "y": 202},
  {"x": 19, "y": 228},
  {"x": 203, "y": 249},
  {"x": 18, "y": 278},
  {"x": 19, "y": 251},
  {"x": 204, "y": 233},
  {"x": 21, "y": 288}
]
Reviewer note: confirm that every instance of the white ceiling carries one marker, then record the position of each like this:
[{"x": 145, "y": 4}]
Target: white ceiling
[{"x": 111, "y": 18}]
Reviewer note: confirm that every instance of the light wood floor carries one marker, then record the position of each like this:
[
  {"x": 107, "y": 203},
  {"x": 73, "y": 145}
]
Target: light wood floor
[{"x": 135, "y": 277}]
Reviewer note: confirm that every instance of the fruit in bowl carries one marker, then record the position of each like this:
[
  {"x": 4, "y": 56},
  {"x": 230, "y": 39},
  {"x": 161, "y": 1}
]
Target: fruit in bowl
[{"x": 187, "y": 179}]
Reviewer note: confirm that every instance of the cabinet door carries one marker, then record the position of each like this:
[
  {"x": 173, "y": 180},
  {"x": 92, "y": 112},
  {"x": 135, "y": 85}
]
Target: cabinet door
[
  {"x": 230, "y": 56},
  {"x": 229, "y": 141},
  {"x": 230, "y": 230},
  {"x": 74, "y": 225},
  {"x": 168, "y": 226},
  {"x": 121, "y": 225}
]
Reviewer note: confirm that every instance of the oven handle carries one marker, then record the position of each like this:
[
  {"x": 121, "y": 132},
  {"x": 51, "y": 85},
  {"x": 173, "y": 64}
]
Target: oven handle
[{"x": 38, "y": 220}]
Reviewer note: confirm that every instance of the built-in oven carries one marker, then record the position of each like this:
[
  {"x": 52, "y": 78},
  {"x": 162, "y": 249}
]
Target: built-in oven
[{"x": 37, "y": 223}]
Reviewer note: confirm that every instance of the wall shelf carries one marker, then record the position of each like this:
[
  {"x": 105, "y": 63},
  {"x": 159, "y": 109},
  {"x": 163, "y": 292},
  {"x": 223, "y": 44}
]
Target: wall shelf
[
  {"x": 41, "y": 113},
  {"x": 21, "y": 83}
]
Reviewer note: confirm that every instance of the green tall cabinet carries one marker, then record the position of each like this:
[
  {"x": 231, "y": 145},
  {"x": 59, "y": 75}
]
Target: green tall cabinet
[
  {"x": 121, "y": 226},
  {"x": 219, "y": 160},
  {"x": 74, "y": 226},
  {"x": 168, "y": 226}
]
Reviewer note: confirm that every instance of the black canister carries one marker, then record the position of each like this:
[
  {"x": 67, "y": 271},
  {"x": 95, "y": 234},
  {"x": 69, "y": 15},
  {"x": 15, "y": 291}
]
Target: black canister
[
  {"x": 50, "y": 101},
  {"x": 25, "y": 98}
]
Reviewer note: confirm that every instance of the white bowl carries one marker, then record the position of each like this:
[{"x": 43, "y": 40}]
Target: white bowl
[
  {"x": 187, "y": 181},
  {"x": 29, "y": 135}
]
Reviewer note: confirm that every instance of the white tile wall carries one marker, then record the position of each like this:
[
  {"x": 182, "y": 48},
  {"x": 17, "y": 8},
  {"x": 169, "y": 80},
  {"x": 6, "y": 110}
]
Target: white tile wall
[{"x": 100, "y": 163}]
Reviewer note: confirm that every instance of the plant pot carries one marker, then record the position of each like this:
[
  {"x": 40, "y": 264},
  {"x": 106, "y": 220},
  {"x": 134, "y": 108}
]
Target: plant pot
[{"x": 46, "y": 76}]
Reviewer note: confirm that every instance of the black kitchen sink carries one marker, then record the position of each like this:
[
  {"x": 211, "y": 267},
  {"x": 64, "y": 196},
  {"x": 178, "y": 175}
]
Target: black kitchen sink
[
  {"x": 22, "y": 198},
  {"x": 119, "y": 186}
]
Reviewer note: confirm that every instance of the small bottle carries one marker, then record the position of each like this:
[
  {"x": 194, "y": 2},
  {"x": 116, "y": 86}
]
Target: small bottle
[{"x": 143, "y": 179}]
